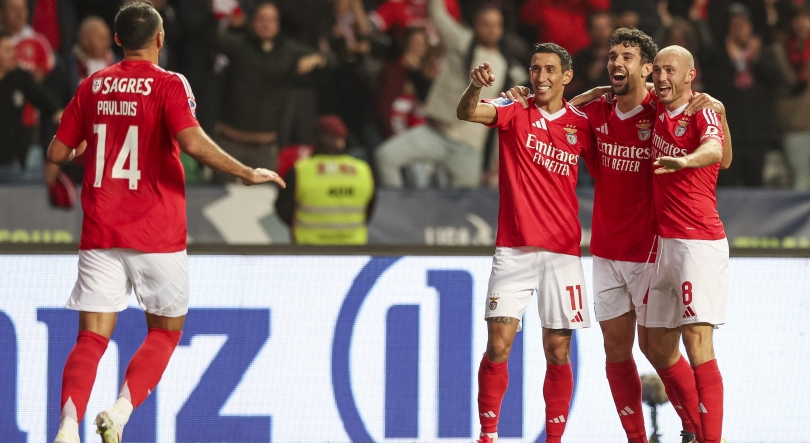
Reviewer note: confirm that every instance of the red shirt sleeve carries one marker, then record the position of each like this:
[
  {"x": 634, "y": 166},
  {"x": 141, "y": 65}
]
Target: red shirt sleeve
[
  {"x": 709, "y": 125},
  {"x": 179, "y": 105},
  {"x": 506, "y": 110},
  {"x": 71, "y": 126}
]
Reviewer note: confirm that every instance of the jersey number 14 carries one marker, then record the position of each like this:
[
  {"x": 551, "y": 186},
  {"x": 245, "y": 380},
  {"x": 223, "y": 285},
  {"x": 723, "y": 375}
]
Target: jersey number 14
[{"x": 129, "y": 149}]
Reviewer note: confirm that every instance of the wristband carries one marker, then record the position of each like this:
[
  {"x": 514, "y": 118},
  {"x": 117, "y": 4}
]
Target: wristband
[{"x": 476, "y": 84}]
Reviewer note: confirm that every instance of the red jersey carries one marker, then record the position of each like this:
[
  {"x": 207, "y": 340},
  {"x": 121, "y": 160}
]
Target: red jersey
[
  {"x": 623, "y": 226},
  {"x": 133, "y": 194},
  {"x": 685, "y": 201},
  {"x": 539, "y": 154}
]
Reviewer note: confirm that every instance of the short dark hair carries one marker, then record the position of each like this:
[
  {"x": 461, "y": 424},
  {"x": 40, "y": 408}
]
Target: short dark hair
[
  {"x": 553, "y": 48},
  {"x": 136, "y": 23},
  {"x": 633, "y": 37}
]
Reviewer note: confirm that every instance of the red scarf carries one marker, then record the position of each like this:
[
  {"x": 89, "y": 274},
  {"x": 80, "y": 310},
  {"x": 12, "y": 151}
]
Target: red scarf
[{"x": 799, "y": 57}]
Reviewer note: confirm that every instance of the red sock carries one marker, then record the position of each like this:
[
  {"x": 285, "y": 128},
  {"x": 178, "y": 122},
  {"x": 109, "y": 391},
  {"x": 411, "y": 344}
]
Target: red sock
[
  {"x": 148, "y": 363},
  {"x": 625, "y": 385},
  {"x": 558, "y": 388},
  {"x": 493, "y": 379},
  {"x": 679, "y": 381},
  {"x": 80, "y": 373},
  {"x": 710, "y": 392}
]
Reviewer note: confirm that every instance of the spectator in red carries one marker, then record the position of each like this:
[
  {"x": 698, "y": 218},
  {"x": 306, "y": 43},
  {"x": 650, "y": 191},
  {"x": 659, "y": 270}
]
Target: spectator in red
[
  {"x": 562, "y": 21},
  {"x": 403, "y": 86},
  {"x": 395, "y": 16},
  {"x": 32, "y": 49}
]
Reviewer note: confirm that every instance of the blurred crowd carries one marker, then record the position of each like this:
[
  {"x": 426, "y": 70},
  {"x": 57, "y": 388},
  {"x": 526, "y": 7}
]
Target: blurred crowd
[{"x": 392, "y": 71}]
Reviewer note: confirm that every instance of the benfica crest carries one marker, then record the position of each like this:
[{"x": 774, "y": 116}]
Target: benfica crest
[
  {"x": 96, "y": 85},
  {"x": 572, "y": 135},
  {"x": 644, "y": 130},
  {"x": 493, "y": 303},
  {"x": 681, "y": 129}
]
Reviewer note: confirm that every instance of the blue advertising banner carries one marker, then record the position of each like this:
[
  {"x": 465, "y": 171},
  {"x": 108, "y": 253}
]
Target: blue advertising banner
[{"x": 386, "y": 349}]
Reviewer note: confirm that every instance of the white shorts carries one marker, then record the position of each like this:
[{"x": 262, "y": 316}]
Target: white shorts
[
  {"x": 107, "y": 276},
  {"x": 620, "y": 287},
  {"x": 558, "y": 279},
  {"x": 689, "y": 284}
]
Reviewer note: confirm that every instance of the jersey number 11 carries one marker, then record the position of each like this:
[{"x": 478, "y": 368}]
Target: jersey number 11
[{"x": 129, "y": 149}]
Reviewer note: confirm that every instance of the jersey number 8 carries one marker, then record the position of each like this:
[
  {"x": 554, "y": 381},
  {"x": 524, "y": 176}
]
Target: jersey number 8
[{"x": 129, "y": 149}]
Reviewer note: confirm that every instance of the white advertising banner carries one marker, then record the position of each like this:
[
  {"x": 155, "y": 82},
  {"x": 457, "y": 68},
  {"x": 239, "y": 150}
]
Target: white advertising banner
[{"x": 361, "y": 349}]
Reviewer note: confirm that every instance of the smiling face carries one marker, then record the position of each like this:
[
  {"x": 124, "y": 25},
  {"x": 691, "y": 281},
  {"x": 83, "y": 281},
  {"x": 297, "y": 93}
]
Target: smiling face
[
  {"x": 547, "y": 77},
  {"x": 673, "y": 72},
  {"x": 626, "y": 68}
]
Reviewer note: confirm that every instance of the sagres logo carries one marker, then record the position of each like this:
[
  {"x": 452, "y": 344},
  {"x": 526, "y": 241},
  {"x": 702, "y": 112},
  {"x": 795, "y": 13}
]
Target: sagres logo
[{"x": 425, "y": 319}]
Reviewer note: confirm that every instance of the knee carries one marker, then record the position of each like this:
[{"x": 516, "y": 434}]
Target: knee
[
  {"x": 660, "y": 357},
  {"x": 618, "y": 348},
  {"x": 498, "y": 350},
  {"x": 557, "y": 354}
]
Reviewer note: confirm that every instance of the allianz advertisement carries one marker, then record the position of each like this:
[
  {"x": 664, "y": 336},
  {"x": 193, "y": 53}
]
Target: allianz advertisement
[{"x": 360, "y": 349}]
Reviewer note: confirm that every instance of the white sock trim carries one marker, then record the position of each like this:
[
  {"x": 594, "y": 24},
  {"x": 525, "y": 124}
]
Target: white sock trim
[
  {"x": 69, "y": 425},
  {"x": 124, "y": 408}
]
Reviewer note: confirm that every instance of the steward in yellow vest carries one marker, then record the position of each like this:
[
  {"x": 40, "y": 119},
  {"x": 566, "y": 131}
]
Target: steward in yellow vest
[{"x": 329, "y": 196}]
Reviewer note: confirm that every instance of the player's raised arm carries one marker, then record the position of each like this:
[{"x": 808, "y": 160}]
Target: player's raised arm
[
  {"x": 196, "y": 143},
  {"x": 470, "y": 107}
]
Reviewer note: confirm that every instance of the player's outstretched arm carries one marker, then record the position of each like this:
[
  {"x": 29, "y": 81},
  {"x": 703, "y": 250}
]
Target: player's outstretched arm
[
  {"x": 590, "y": 95},
  {"x": 709, "y": 153},
  {"x": 196, "y": 143},
  {"x": 469, "y": 107}
]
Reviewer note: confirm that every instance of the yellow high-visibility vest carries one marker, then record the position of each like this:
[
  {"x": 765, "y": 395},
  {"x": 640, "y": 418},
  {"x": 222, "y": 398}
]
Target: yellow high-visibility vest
[{"x": 332, "y": 193}]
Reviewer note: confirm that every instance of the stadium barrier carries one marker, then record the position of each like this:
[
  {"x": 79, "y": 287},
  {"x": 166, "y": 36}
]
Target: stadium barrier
[
  {"x": 237, "y": 215},
  {"x": 373, "y": 344}
]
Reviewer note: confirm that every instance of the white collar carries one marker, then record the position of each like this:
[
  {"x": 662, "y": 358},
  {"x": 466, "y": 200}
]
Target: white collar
[
  {"x": 677, "y": 112},
  {"x": 630, "y": 113},
  {"x": 551, "y": 117}
]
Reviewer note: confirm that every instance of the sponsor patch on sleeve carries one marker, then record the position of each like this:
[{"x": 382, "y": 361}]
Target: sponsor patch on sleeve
[{"x": 501, "y": 101}]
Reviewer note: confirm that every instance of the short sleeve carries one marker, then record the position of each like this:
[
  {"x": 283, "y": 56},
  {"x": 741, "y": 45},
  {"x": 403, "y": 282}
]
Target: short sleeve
[
  {"x": 71, "y": 126},
  {"x": 179, "y": 105},
  {"x": 505, "y": 109},
  {"x": 709, "y": 125}
]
